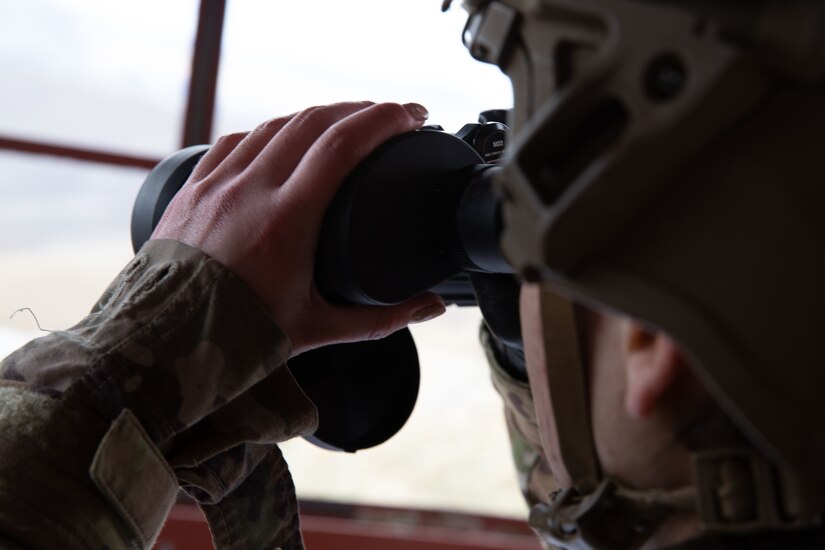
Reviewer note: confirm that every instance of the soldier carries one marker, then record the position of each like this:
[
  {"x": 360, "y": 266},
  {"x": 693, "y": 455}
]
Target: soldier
[{"x": 663, "y": 199}]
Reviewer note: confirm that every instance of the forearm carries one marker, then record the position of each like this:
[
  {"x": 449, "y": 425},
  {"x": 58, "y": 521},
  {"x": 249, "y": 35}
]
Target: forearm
[
  {"x": 48, "y": 498},
  {"x": 177, "y": 376}
]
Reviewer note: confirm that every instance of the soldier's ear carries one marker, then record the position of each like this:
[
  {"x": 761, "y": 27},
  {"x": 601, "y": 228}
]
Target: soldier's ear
[{"x": 653, "y": 366}]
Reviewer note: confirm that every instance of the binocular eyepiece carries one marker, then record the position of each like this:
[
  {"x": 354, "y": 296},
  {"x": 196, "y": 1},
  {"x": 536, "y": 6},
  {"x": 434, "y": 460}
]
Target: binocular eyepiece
[{"x": 420, "y": 213}]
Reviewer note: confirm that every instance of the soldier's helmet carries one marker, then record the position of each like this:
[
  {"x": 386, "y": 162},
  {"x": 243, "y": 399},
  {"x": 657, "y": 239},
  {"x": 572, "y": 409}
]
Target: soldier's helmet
[{"x": 668, "y": 163}]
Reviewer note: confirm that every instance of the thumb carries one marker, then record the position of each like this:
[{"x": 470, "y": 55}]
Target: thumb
[{"x": 356, "y": 323}]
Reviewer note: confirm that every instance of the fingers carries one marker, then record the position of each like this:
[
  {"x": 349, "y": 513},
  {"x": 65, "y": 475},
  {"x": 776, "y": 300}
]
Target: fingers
[
  {"x": 216, "y": 154},
  {"x": 357, "y": 323},
  {"x": 276, "y": 146},
  {"x": 277, "y": 160},
  {"x": 345, "y": 144},
  {"x": 232, "y": 154},
  {"x": 251, "y": 146}
]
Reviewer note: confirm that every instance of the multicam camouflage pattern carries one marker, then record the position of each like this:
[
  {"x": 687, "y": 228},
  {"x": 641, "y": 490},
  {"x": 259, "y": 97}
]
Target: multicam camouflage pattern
[
  {"x": 177, "y": 377},
  {"x": 534, "y": 476}
]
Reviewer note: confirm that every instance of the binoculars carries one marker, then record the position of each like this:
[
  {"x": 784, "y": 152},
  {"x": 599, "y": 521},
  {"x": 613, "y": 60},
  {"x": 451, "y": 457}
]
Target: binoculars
[{"x": 419, "y": 214}]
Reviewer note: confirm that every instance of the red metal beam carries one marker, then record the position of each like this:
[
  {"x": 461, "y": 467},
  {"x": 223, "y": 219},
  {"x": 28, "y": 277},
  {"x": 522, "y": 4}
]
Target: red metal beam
[
  {"x": 200, "y": 106},
  {"x": 79, "y": 153},
  {"x": 344, "y": 534},
  {"x": 339, "y": 526}
]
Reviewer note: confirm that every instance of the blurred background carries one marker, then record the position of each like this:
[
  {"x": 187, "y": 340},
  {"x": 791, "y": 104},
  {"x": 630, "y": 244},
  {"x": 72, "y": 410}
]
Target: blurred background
[{"x": 112, "y": 77}]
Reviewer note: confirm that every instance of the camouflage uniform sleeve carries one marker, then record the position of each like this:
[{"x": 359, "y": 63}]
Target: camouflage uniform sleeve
[
  {"x": 534, "y": 477},
  {"x": 177, "y": 378}
]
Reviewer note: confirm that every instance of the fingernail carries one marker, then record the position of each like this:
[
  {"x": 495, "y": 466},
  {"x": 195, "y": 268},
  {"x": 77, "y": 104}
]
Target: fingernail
[
  {"x": 427, "y": 313},
  {"x": 417, "y": 111}
]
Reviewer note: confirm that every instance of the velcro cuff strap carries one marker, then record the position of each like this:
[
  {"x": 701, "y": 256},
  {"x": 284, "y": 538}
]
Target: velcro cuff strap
[{"x": 133, "y": 475}]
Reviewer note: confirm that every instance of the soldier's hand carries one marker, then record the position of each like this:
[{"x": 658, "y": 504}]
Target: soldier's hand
[{"x": 256, "y": 201}]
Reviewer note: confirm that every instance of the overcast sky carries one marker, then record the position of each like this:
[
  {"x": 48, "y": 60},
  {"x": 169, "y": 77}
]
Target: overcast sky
[{"x": 114, "y": 73}]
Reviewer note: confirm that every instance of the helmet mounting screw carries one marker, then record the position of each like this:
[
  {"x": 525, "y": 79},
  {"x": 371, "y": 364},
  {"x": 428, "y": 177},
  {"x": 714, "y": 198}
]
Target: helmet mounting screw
[{"x": 664, "y": 77}]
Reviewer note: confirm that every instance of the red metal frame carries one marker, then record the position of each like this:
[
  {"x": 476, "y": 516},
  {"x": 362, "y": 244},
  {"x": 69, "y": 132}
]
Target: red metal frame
[
  {"x": 336, "y": 526},
  {"x": 200, "y": 106},
  {"x": 78, "y": 153}
]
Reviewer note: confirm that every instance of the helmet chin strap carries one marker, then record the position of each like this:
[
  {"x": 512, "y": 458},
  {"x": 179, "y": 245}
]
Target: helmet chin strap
[
  {"x": 596, "y": 512},
  {"x": 559, "y": 386},
  {"x": 734, "y": 490}
]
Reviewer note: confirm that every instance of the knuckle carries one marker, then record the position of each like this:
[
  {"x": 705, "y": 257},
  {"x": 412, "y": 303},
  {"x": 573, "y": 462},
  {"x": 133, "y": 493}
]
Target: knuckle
[
  {"x": 230, "y": 139},
  {"x": 393, "y": 117},
  {"x": 309, "y": 117},
  {"x": 339, "y": 144},
  {"x": 391, "y": 111},
  {"x": 269, "y": 125},
  {"x": 381, "y": 328},
  {"x": 322, "y": 117}
]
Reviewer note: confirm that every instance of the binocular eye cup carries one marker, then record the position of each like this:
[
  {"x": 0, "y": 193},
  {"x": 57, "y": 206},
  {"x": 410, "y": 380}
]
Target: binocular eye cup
[{"x": 420, "y": 213}]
